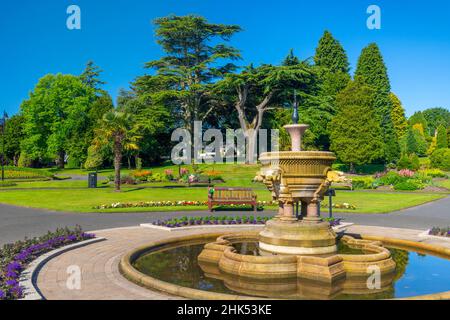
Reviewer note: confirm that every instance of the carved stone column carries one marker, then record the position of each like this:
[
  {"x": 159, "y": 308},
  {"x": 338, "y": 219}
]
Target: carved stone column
[
  {"x": 288, "y": 212},
  {"x": 312, "y": 212}
]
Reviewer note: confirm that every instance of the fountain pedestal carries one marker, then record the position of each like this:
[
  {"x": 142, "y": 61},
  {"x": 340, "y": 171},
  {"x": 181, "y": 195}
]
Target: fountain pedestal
[{"x": 297, "y": 177}]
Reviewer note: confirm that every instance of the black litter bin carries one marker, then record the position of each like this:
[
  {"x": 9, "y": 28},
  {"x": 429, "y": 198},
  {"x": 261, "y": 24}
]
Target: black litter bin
[{"x": 92, "y": 180}]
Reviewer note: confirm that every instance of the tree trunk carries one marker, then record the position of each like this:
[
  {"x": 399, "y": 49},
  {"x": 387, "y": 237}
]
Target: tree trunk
[
  {"x": 117, "y": 162},
  {"x": 352, "y": 168},
  {"x": 129, "y": 163},
  {"x": 251, "y": 155},
  {"x": 60, "y": 160}
]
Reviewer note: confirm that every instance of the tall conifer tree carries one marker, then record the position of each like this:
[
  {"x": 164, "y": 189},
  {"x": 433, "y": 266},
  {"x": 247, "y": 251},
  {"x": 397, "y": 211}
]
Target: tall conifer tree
[
  {"x": 355, "y": 131},
  {"x": 398, "y": 116},
  {"x": 373, "y": 72}
]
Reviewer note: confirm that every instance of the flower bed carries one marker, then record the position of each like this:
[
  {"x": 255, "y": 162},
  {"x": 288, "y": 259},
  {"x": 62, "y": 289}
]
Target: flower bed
[
  {"x": 223, "y": 220},
  {"x": 16, "y": 173},
  {"x": 15, "y": 257},
  {"x": 344, "y": 205},
  {"x": 182, "y": 203},
  {"x": 440, "y": 232},
  {"x": 211, "y": 220}
]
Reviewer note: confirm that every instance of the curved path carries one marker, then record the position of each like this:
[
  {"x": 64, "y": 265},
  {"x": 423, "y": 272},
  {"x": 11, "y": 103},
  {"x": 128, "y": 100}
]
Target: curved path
[{"x": 17, "y": 222}]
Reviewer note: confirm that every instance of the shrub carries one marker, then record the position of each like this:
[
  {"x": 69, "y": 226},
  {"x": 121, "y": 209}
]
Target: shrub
[
  {"x": 24, "y": 160},
  {"x": 124, "y": 179},
  {"x": 409, "y": 185},
  {"x": 440, "y": 159},
  {"x": 26, "y": 173},
  {"x": 434, "y": 173},
  {"x": 73, "y": 163},
  {"x": 363, "y": 183},
  {"x": 169, "y": 174},
  {"x": 406, "y": 173},
  {"x": 127, "y": 179},
  {"x": 141, "y": 175},
  {"x": 391, "y": 178},
  {"x": 157, "y": 177},
  {"x": 216, "y": 178},
  {"x": 410, "y": 162},
  {"x": 363, "y": 169}
]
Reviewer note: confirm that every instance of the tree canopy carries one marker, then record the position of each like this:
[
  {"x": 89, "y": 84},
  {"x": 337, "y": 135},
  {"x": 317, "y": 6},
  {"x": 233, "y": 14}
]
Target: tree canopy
[
  {"x": 196, "y": 55},
  {"x": 355, "y": 132},
  {"x": 331, "y": 55},
  {"x": 372, "y": 70},
  {"x": 56, "y": 118}
]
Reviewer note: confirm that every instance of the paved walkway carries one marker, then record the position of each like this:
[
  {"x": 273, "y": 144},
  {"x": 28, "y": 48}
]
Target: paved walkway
[
  {"x": 18, "y": 222},
  {"x": 99, "y": 262}
]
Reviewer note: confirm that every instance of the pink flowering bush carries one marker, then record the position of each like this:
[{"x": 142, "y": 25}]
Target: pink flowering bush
[{"x": 406, "y": 173}]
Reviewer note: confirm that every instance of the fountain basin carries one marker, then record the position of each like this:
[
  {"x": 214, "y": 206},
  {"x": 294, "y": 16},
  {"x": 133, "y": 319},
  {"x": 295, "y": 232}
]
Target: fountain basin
[
  {"x": 323, "y": 268},
  {"x": 171, "y": 266}
]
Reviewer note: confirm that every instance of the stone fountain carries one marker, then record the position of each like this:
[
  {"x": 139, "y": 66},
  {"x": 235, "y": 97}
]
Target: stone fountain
[
  {"x": 297, "y": 245},
  {"x": 297, "y": 177}
]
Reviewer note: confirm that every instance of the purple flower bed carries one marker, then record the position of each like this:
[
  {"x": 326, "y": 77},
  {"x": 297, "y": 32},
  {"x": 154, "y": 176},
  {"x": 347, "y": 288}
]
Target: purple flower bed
[
  {"x": 222, "y": 220},
  {"x": 14, "y": 258},
  {"x": 334, "y": 222},
  {"x": 211, "y": 220},
  {"x": 440, "y": 232}
]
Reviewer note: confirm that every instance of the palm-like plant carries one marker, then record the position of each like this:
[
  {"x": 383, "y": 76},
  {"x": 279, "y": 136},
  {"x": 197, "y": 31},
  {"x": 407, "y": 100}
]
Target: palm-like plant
[{"x": 115, "y": 128}]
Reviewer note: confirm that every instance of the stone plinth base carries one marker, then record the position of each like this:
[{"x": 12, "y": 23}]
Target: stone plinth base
[{"x": 298, "y": 238}]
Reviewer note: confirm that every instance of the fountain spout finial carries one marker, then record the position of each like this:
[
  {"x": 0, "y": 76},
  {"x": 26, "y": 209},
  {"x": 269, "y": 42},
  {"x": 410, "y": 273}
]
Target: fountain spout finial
[{"x": 295, "y": 116}]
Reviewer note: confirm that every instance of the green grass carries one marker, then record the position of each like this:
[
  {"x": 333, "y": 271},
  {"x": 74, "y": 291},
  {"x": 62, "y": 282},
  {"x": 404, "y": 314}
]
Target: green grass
[
  {"x": 444, "y": 183},
  {"x": 73, "y": 195},
  {"x": 83, "y": 200},
  {"x": 235, "y": 175},
  {"x": 63, "y": 184}
]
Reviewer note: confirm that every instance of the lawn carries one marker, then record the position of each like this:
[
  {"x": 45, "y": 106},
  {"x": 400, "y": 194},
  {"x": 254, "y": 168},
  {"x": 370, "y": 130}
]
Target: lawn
[
  {"x": 445, "y": 183},
  {"x": 74, "y": 196},
  {"x": 83, "y": 200}
]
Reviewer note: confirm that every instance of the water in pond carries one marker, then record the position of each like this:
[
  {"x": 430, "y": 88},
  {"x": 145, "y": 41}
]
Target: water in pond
[{"x": 416, "y": 274}]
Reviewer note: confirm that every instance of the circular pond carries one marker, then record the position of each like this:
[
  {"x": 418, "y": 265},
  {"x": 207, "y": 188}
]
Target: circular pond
[{"x": 416, "y": 274}]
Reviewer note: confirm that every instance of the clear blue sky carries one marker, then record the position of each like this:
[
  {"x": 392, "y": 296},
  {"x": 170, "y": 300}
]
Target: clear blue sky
[{"x": 119, "y": 36}]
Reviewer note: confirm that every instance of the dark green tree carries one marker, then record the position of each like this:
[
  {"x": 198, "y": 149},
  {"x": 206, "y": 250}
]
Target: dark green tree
[
  {"x": 91, "y": 76},
  {"x": 13, "y": 138},
  {"x": 441, "y": 137},
  {"x": 291, "y": 59},
  {"x": 196, "y": 55},
  {"x": 331, "y": 55},
  {"x": 355, "y": 131},
  {"x": 415, "y": 142},
  {"x": 332, "y": 67},
  {"x": 255, "y": 90},
  {"x": 435, "y": 117},
  {"x": 372, "y": 70},
  {"x": 152, "y": 121}
]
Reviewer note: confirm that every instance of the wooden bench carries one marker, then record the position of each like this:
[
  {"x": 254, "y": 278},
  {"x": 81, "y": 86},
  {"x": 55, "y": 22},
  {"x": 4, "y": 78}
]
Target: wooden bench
[{"x": 228, "y": 196}]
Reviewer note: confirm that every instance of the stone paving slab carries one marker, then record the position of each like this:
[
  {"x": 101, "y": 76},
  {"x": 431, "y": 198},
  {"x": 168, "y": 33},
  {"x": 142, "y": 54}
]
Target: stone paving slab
[{"x": 99, "y": 262}]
